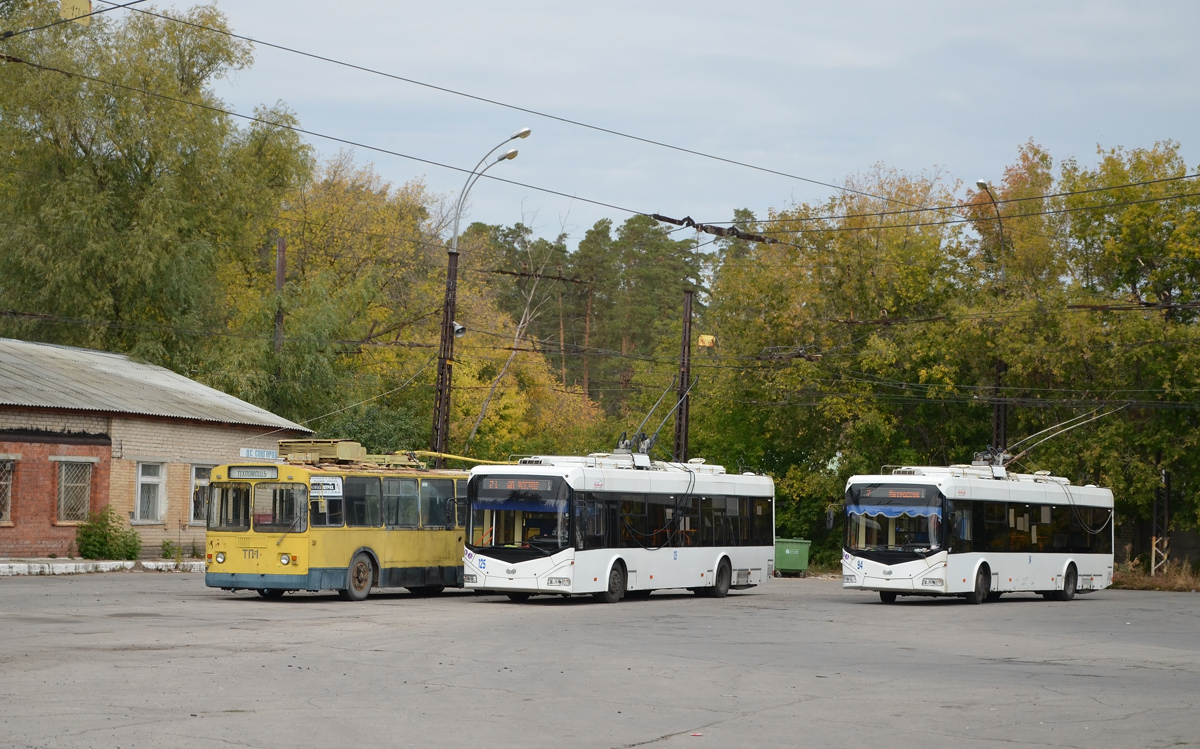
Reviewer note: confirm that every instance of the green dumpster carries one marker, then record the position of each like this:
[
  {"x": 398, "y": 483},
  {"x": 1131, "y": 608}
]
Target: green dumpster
[{"x": 791, "y": 556}]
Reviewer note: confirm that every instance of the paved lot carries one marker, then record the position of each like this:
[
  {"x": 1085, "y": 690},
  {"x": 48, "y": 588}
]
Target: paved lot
[{"x": 135, "y": 659}]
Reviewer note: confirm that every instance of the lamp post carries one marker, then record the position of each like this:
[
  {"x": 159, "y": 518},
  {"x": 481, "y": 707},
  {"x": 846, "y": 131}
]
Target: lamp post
[
  {"x": 1000, "y": 413},
  {"x": 450, "y": 328}
]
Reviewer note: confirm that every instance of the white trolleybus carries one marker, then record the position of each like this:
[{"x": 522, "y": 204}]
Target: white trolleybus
[
  {"x": 977, "y": 532},
  {"x": 616, "y": 525}
]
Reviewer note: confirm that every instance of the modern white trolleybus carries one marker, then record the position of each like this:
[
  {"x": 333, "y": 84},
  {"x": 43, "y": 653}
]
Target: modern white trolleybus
[
  {"x": 976, "y": 532},
  {"x": 616, "y": 525}
]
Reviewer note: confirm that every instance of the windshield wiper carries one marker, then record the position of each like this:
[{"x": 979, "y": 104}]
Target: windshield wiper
[{"x": 289, "y": 530}]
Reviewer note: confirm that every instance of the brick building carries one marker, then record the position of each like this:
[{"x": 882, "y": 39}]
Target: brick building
[{"x": 82, "y": 429}]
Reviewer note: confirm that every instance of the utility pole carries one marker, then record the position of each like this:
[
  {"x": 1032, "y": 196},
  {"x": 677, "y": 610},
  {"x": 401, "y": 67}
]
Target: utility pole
[
  {"x": 1160, "y": 541},
  {"x": 441, "y": 403},
  {"x": 685, "y": 379},
  {"x": 587, "y": 333},
  {"x": 280, "y": 275}
]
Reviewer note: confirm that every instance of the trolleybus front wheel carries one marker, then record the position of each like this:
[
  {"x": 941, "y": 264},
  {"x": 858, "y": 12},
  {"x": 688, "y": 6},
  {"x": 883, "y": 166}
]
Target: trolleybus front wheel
[
  {"x": 887, "y": 596},
  {"x": 983, "y": 579},
  {"x": 1070, "y": 582},
  {"x": 359, "y": 579},
  {"x": 616, "y": 585}
]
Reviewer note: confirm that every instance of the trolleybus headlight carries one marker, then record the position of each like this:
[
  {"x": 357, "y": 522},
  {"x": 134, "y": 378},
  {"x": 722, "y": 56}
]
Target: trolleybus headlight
[
  {"x": 559, "y": 581},
  {"x": 220, "y": 557},
  {"x": 470, "y": 578},
  {"x": 849, "y": 579},
  {"x": 285, "y": 559},
  {"x": 933, "y": 582}
]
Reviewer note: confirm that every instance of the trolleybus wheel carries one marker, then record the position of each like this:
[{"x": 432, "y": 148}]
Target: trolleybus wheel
[
  {"x": 1070, "y": 582},
  {"x": 616, "y": 585},
  {"x": 723, "y": 580},
  {"x": 358, "y": 585},
  {"x": 518, "y": 597},
  {"x": 983, "y": 579},
  {"x": 271, "y": 593},
  {"x": 887, "y": 596}
]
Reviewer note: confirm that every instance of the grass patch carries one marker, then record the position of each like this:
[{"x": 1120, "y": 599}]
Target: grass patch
[{"x": 1178, "y": 576}]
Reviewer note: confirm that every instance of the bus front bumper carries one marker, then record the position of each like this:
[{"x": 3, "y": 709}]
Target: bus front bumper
[{"x": 315, "y": 579}]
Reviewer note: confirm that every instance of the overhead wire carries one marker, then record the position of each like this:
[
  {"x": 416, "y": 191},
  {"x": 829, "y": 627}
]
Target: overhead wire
[{"x": 74, "y": 19}]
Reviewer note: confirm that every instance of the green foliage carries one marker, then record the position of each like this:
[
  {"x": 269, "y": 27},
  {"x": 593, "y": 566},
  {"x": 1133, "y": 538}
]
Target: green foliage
[{"x": 107, "y": 536}]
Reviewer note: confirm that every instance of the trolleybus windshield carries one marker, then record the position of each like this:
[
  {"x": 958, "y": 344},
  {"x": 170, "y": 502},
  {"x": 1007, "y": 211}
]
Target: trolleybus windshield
[
  {"x": 891, "y": 517},
  {"x": 518, "y": 512}
]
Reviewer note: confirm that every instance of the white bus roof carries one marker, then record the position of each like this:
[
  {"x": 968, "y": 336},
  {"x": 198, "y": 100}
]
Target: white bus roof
[
  {"x": 627, "y": 472},
  {"x": 992, "y": 482}
]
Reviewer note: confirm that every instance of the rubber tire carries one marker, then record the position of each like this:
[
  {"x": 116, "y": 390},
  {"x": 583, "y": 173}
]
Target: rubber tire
[
  {"x": 887, "y": 596},
  {"x": 271, "y": 594},
  {"x": 359, "y": 578},
  {"x": 518, "y": 597},
  {"x": 722, "y": 581},
  {"x": 994, "y": 595},
  {"x": 983, "y": 581},
  {"x": 616, "y": 585},
  {"x": 1070, "y": 584},
  {"x": 426, "y": 590}
]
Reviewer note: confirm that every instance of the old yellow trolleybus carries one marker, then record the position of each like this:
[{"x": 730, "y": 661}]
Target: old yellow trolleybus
[{"x": 331, "y": 517}]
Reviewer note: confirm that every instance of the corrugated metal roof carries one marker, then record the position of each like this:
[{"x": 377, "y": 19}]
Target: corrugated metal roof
[{"x": 46, "y": 376}]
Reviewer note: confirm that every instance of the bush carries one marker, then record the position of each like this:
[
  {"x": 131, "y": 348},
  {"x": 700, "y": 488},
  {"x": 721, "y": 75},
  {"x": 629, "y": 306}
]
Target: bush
[{"x": 106, "y": 536}]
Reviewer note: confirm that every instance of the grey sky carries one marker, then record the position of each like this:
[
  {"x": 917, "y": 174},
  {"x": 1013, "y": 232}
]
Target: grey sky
[{"x": 822, "y": 90}]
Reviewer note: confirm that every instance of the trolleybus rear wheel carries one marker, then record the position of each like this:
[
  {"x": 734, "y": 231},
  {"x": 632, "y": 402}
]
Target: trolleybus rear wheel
[
  {"x": 616, "y": 585},
  {"x": 983, "y": 579},
  {"x": 723, "y": 580},
  {"x": 887, "y": 596},
  {"x": 1070, "y": 582},
  {"x": 359, "y": 579},
  {"x": 271, "y": 593}
]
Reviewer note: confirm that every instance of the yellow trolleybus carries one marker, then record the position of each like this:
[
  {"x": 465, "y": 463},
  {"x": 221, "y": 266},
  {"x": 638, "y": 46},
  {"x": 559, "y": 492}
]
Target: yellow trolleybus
[{"x": 331, "y": 517}]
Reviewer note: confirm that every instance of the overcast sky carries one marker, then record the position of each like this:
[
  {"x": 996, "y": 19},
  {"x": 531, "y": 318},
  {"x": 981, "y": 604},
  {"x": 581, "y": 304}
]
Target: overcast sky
[{"x": 820, "y": 90}]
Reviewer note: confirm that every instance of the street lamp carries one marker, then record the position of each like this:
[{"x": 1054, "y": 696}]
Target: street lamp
[
  {"x": 1000, "y": 412},
  {"x": 450, "y": 328}
]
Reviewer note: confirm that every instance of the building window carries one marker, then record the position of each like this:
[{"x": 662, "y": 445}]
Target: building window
[
  {"x": 74, "y": 491},
  {"x": 149, "y": 495},
  {"x": 200, "y": 476},
  {"x": 6, "y": 481}
]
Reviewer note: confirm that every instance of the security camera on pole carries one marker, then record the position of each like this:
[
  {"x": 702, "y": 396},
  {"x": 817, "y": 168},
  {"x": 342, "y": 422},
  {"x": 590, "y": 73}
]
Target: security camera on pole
[{"x": 451, "y": 329}]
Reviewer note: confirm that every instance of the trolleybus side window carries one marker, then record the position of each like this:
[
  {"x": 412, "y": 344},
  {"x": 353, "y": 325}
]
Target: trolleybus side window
[
  {"x": 764, "y": 523},
  {"x": 229, "y": 506},
  {"x": 437, "y": 509},
  {"x": 460, "y": 503},
  {"x": 280, "y": 507},
  {"x": 635, "y": 530},
  {"x": 401, "y": 503},
  {"x": 363, "y": 502}
]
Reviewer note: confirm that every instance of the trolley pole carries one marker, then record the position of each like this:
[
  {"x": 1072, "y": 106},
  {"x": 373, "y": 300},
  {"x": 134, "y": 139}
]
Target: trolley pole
[{"x": 685, "y": 378}]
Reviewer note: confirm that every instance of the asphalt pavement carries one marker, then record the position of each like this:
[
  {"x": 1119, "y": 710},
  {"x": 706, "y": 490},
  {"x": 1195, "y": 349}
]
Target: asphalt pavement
[{"x": 153, "y": 659}]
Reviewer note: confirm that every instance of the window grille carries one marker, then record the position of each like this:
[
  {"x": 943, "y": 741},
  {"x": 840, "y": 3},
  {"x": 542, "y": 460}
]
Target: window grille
[
  {"x": 6, "y": 477},
  {"x": 74, "y": 491}
]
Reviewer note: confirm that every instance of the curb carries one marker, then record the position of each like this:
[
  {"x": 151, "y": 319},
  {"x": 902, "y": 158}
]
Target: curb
[{"x": 15, "y": 569}]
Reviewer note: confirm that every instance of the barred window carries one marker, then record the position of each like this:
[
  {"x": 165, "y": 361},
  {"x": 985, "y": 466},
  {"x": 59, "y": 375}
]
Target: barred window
[
  {"x": 6, "y": 481},
  {"x": 74, "y": 491}
]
